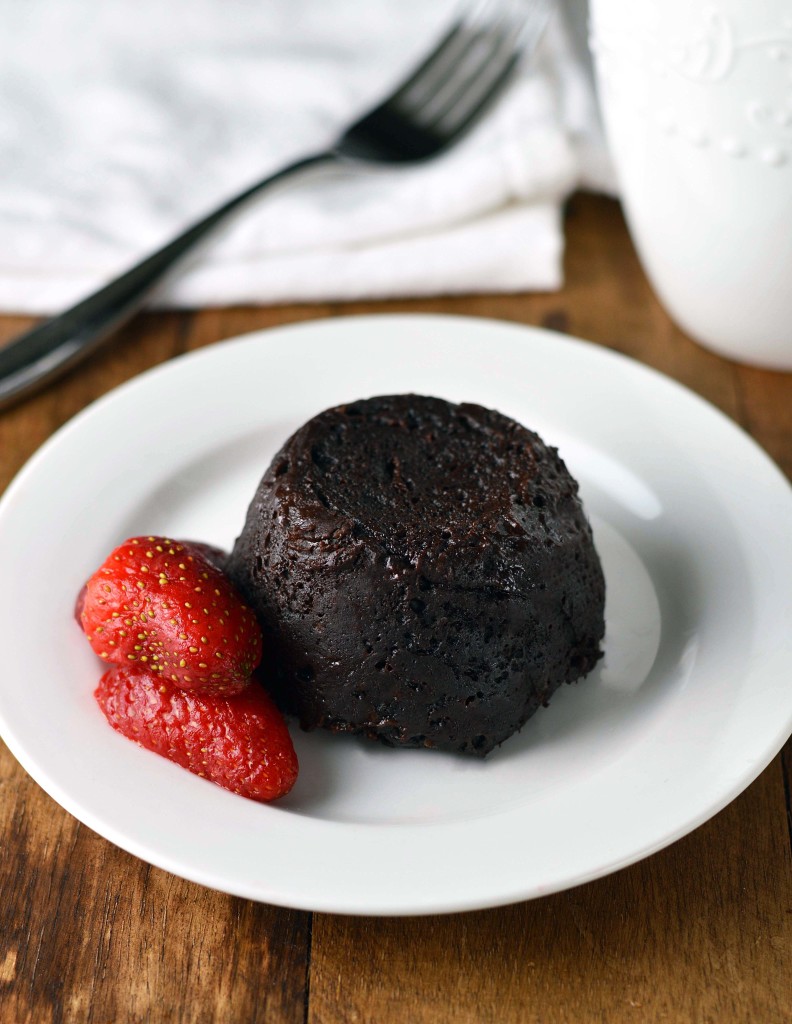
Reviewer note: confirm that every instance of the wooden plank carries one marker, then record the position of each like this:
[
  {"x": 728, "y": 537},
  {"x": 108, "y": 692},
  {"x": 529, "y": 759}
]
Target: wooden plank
[
  {"x": 87, "y": 932},
  {"x": 92, "y": 934},
  {"x": 146, "y": 341},
  {"x": 213, "y": 325},
  {"x": 766, "y": 403},
  {"x": 698, "y": 933},
  {"x": 766, "y": 410}
]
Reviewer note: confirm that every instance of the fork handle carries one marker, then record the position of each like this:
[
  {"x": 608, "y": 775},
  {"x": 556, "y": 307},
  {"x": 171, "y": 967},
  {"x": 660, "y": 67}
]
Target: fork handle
[{"x": 39, "y": 355}]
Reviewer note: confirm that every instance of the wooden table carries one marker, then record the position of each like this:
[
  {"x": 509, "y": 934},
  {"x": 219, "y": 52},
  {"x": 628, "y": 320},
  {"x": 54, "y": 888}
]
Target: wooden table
[{"x": 701, "y": 932}]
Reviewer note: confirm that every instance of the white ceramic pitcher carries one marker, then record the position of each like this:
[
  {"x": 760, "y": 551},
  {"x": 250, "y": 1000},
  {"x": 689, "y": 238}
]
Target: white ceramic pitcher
[{"x": 697, "y": 100}]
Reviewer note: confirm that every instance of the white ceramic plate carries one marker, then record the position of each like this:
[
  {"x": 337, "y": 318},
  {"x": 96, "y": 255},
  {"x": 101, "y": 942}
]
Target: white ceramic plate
[{"x": 691, "y": 701}]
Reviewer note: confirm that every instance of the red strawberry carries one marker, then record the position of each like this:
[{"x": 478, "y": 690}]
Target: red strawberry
[
  {"x": 211, "y": 553},
  {"x": 163, "y": 605},
  {"x": 240, "y": 743}
]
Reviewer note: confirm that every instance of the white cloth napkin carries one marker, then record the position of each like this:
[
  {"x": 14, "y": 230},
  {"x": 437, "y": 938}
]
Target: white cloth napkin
[{"x": 121, "y": 123}]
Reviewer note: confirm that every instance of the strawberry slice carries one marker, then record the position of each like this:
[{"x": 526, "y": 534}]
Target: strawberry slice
[
  {"x": 163, "y": 605},
  {"x": 241, "y": 743}
]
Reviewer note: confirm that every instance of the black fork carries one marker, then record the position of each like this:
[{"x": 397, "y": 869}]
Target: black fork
[{"x": 425, "y": 115}]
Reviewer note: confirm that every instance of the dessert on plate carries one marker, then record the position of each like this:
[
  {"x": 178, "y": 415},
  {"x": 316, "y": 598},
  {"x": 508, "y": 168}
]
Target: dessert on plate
[{"x": 423, "y": 572}]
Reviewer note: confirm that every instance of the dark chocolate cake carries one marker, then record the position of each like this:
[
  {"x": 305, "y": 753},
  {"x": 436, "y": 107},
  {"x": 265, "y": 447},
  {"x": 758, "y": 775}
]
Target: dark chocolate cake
[{"x": 423, "y": 572}]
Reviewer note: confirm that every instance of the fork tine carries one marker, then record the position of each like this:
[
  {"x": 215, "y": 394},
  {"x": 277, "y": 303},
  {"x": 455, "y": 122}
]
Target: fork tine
[
  {"x": 455, "y": 83},
  {"x": 483, "y": 47},
  {"x": 444, "y": 50},
  {"x": 464, "y": 96},
  {"x": 441, "y": 61},
  {"x": 476, "y": 89},
  {"x": 465, "y": 108}
]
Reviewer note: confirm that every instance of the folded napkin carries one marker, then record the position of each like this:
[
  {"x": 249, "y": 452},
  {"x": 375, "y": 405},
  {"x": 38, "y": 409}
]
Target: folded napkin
[{"x": 121, "y": 123}]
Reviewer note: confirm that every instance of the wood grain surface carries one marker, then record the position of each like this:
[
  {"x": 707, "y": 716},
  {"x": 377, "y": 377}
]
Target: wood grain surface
[{"x": 701, "y": 932}]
